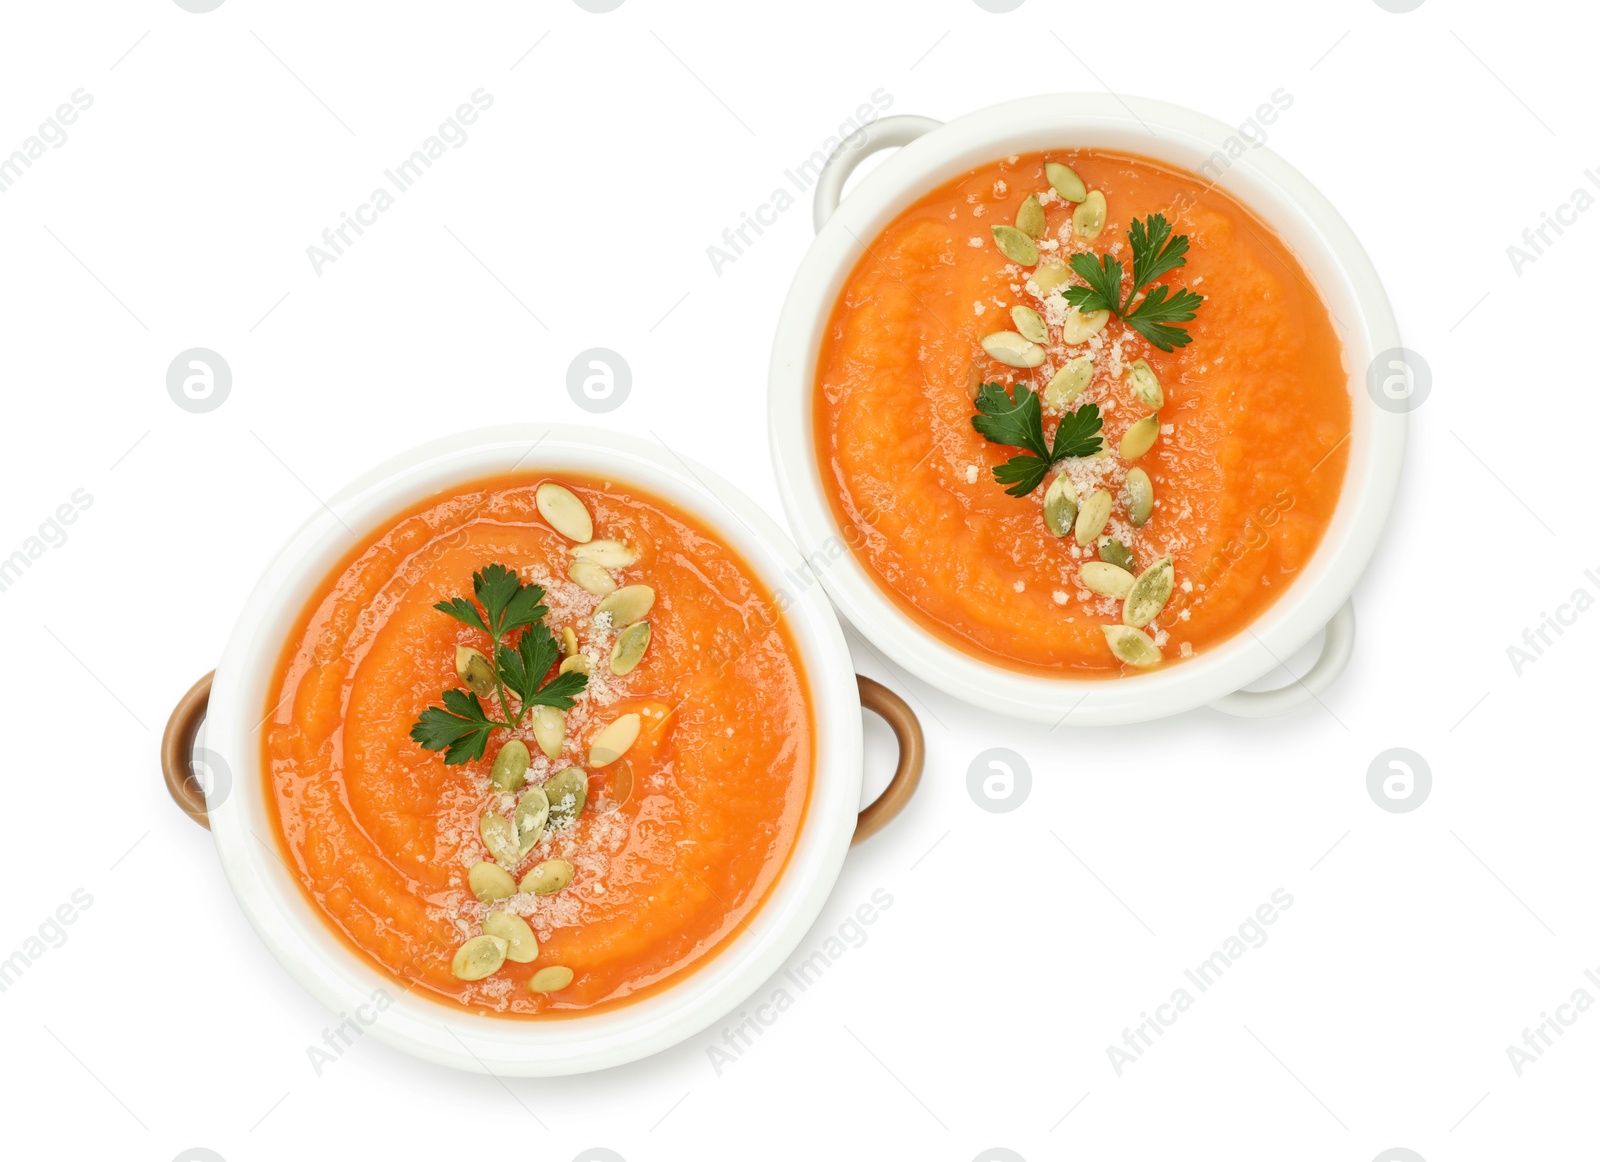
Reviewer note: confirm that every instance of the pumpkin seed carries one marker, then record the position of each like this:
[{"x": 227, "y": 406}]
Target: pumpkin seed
[
  {"x": 1030, "y": 217},
  {"x": 1012, "y": 349},
  {"x": 1139, "y": 439},
  {"x": 1089, "y": 218},
  {"x": 510, "y": 768},
  {"x": 613, "y": 742},
  {"x": 1092, "y": 516},
  {"x": 1114, "y": 552},
  {"x": 1048, "y": 277},
  {"x": 575, "y": 662},
  {"x": 1068, "y": 383},
  {"x": 564, "y": 511},
  {"x": 1149, "y": 594},
  {"x": 1060, "y": 506},
  {"x": 478, "y": 957},
  {"x": 490, "y": 881},
  {"x": 974, "y": 381},
  {"x": 567, "y": 790},
  {"x": 533, "y": 809},
  {"x": 499, "y": 837},
  {"x": 1146, "y": 387},
  {"x": 549, "y": 729},
  {"x": 513, "y": 929},
  {"x": 1139, "y": 495},
  {"x": 592, "y": 578},
  {"x": 1105, "y": 579},
  {"x": 606, "y": 554},
  {"x": 474, "y": 669},
  {"x": 1131, "y": 646},
  {"x": 548, "y": 877},
  {"x": 628, "y": 604},
  {"x": 629, "y": 648},
  {"x": 569, "y": 641},
  {"x": 1076, "y": 327},
  {"x": 1015, "y": 245},
  {"x": 550, "y": 980},
  {"x": 1065, "y": 181},
  {"x": 1030, "y": 325}
]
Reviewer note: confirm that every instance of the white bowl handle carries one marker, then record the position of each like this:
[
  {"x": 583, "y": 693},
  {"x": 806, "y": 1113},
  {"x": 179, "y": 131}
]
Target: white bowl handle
[
  {"x": 853, "y": 150},
  {"x": 1338, "y": 643}
]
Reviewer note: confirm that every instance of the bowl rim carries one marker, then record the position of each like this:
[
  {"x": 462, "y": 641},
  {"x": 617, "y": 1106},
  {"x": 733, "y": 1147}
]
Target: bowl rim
[
  {"x": 301, "y": 938},
  {"x": 1262, "y": 181}
]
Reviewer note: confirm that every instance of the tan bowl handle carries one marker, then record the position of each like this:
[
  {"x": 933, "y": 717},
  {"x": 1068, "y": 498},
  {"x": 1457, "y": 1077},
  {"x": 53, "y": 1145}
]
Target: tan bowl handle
[
  {"x": 177, "y": 751},
  {"x": 892, "y": 708}
]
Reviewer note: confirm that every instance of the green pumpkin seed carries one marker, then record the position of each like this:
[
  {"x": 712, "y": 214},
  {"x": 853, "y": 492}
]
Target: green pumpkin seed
[
  {"x": 548, "y": 877},
  {"x": 628, "y": 604},
  {"x": 490, "y": 881},
  {"x": 1092, "y": 516},
  {"x": 1030, "y": 325},
  {"x": 629, "y": 648},
  {"x": 1146, "y": 387},
  {"x": 1131, "y": 646},
  {"x": 1140, "y": 438},
  {"x": 1065, "y": 181},
  {"x": 1030, "y": 217},
  {"x": 1012, "y": 349},
  {"x": 1060, "y": 506},
  {"x": 564, "y": 511},
  {"x": 550, "y": 980},
  {"x": 521, "y": 946},
  {"x": 500, "y": 837},
  {"x": 533, "y": 809},
  {"x": 1068, "y": 383},
  {"x": 1149, "y": 594},
  {"x": 1076, "y": 327},
  {"x": 606, "y": 554},
  {"x": 478, "y": 958},
  {"x": 1089, "y": 218},
  {"x": 510, "y": 768},
  {"x": 1015, "y": 245},
  {"x": 474, "y": 669},
  {"x": 1139, "y": 495},
  {"x": 1105, "y": 579},
  {"x": 567, "y": 791},
  {"x": 1048, "y": 277},
  {"x": 591, "y": 577},
  {"x": 1114, "y": 552},
  {"x": 613, "y": 741},
  {"x": 575, "y": 662},
  {"x": 569, "y": 641}
]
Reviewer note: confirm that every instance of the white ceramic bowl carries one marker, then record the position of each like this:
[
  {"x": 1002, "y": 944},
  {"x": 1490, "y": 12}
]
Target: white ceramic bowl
[
  {"x": 299, "y": 936},
  {"x": 935, "y": 153}
]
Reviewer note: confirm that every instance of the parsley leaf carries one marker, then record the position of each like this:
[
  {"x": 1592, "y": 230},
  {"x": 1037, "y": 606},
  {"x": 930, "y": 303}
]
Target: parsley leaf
[
  {"x": 460, "y": 728},
  {"x": 1004, "y": 420},
  {"x": 523, "y": 670},
  {"x": 1105, "y": 283},
  {"x": 1015, "y": 419},
  {"x": 1155, "y": 314},
  {"x": 1078, "y": 434},
  {"x": 1155, "y": 252}
]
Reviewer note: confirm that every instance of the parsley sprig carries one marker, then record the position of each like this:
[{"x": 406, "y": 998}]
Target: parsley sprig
[
  {"x": 1016, "y": 419},
  {"x": 461, "y": 727},
  {"x": 1155, "y": 253}
]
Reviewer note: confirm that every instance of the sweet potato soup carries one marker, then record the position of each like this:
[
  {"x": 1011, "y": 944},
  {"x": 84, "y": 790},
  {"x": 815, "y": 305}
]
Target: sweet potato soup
[
  {"x": 538, "y": 746},
  {"x": 1081, "y": 413}
]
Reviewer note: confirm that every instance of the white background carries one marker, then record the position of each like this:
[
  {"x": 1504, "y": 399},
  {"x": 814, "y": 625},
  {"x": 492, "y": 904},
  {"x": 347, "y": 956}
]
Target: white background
[{"x": 978, "y": 1011}]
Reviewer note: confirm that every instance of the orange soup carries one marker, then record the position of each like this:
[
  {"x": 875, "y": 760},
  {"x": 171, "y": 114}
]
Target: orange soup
[
  {"x": 1220, "y": 463},
  {"x": 589, "y": 852}
]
